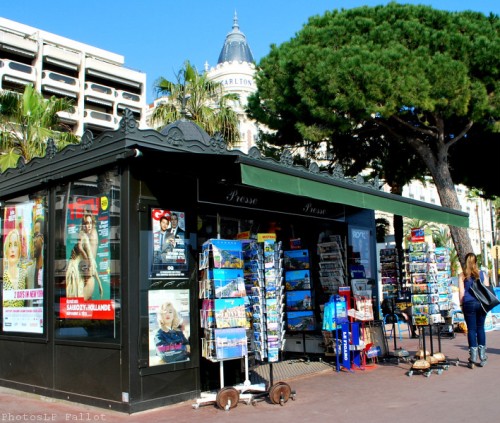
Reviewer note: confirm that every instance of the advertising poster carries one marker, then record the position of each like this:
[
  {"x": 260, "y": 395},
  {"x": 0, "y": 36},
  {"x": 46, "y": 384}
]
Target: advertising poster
[
  {"x": 23, "y": 228},
  {"x": 360, "y": 240},
  {"x": 169, "y": 328},
  {"x": 169, "y": 258},
  {"x": 88, "y": 261}
]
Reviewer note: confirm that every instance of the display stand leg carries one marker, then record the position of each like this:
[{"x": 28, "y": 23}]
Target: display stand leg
[
  {"x": 271, "y": 378},
  {"x": 306, "y": 357},
  {"x": 247, "y": 386},
  {"x": 398, "y": 353},
  {"x": 423, "y": 344},
  {"x": 431, "y": 340},
  {"x": 421, "y": 364},
  {"x": 447, "y": 361},
  {"x": 221, "y": 373},
  {"x": 337, "y": 351}
]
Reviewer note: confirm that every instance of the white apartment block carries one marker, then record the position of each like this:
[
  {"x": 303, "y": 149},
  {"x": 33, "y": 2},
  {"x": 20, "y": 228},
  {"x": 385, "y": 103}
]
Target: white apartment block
[{"x": 96, "y": 80}]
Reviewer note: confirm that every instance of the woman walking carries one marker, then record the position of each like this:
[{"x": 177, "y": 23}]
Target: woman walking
[{"x": 474, "y": 314}]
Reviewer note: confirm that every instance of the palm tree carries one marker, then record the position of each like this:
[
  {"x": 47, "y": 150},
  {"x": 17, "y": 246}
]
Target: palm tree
[
  {"x": 27, "y": 121},
  {"x": 197, "y": 98}
]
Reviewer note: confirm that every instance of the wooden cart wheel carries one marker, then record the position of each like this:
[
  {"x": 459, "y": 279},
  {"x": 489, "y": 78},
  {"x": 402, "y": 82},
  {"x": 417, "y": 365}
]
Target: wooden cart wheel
[
  {"x": 227, "y": 398},
  {"x": 279, "y": 393}
]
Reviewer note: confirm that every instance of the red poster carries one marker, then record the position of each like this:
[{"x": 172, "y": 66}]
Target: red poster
[{"x": 78, "y": 308}]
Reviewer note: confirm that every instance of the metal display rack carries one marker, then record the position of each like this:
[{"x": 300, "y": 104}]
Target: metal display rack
[
  {"x": 239, "y": 278},
  {"x": 429, "y": 270},
  {"x": 264, "y": 276},
  {"x": 223, "y": 318}
]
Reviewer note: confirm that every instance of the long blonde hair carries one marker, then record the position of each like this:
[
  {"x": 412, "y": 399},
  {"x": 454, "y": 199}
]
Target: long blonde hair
[
  {"x": 471, "y": 269},
  {"x": 13, "y": 233},
  {"x": 176, "y": 319}
]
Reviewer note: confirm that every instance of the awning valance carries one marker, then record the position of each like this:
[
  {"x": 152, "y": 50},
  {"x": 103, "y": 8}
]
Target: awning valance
[{"x": 353, "y": 196}]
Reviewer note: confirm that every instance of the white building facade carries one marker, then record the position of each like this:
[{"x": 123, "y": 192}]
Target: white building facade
[
  {"x": 235, "y": 70},
  {"x": 96, "y": 80}
]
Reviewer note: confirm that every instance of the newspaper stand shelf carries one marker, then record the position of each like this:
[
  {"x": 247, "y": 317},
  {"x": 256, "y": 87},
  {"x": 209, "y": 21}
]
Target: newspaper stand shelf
[
  {"x": 362, "y": 313},
  {"x": 223, "y": 318}
]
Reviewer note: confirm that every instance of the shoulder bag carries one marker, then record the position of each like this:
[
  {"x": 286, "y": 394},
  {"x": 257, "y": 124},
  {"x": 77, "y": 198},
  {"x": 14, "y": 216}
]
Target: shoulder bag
[{"x": 485, "y": 295}]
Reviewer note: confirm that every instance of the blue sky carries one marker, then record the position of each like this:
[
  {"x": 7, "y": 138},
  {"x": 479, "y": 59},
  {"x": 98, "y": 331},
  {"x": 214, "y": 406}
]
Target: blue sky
[{"x": 157, "y": 36}]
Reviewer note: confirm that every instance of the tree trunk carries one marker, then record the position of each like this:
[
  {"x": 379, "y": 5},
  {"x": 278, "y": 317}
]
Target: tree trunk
[
  {"x": 397, "y": 222},
  {"x": 438, "y": 166}
]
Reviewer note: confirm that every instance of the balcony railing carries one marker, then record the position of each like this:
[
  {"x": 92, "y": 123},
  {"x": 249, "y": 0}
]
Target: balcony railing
[
  {"x": 60, "y": 84},
  {"x": 94, "y": 117},
  {"x": 17, "y": 71},
  {"x": 69, "y": 116},
  {"x": 102, "y": 92}
]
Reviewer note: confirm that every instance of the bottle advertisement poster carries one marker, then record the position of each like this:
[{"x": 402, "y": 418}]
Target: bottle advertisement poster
[
  {"x": 88, "y": 260},
  {"x": 23, "y": 229}
]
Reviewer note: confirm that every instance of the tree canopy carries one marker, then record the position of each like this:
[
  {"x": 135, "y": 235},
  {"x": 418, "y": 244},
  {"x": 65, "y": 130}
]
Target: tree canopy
[
  {"x": 381, "y": 78},
  {"x": 195, "y": 97}
]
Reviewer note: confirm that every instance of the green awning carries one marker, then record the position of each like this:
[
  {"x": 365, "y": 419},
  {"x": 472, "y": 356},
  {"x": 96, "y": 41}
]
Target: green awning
[{"x": 350, "y": 195}]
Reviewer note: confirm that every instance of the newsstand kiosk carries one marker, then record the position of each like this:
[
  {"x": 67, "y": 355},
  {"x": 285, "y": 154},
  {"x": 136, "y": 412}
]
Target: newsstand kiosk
[{"x": 100, "y": 280}]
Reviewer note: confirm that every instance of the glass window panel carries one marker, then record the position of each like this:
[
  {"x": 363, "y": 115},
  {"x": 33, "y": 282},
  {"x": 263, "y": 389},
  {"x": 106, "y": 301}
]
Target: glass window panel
[
  {"x": 87, "y": 272},
  {"x": 23, "y": 234}
]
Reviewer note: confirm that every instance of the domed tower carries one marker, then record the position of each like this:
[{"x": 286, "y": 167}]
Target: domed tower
[{"x": 235, "y": 69}]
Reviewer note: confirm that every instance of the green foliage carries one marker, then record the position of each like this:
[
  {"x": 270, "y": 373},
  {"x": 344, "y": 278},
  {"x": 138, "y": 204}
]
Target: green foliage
[
  {"x": 27, "y": 120},
  {"x": 380, "y": 75},
  {"x": 195, "y": 97},
  {"x": 391, "y": 87}
]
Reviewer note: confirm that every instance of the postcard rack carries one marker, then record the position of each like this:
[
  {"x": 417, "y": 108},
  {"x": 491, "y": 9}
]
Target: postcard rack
[
  {"x": 223, "y": 317},
  {"x": 429, "y": 270},
  {"x": 264, "y": 282}
]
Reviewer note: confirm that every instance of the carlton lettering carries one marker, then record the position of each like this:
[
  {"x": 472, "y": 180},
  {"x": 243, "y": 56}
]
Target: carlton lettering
[
  {"x": 308, "y": 208},
  {"x": 234, "y": 197}
]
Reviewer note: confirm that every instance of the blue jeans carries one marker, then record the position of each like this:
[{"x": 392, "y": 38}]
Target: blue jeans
[{"x": 474, "y": 316}]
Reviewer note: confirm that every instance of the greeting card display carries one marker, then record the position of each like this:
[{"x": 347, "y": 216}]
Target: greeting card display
[{"x": 227, "y": 282}]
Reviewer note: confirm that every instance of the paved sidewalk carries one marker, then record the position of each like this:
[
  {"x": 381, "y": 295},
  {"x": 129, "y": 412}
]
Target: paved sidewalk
[{"x": 380, "y": 393}]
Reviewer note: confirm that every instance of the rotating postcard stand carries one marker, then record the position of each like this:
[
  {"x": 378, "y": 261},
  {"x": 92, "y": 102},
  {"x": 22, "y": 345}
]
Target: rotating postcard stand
[
  {"x": 263, "y": 277},
  {"x": 224, "y": 318},
  {"x": 431, "y": 296}
]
